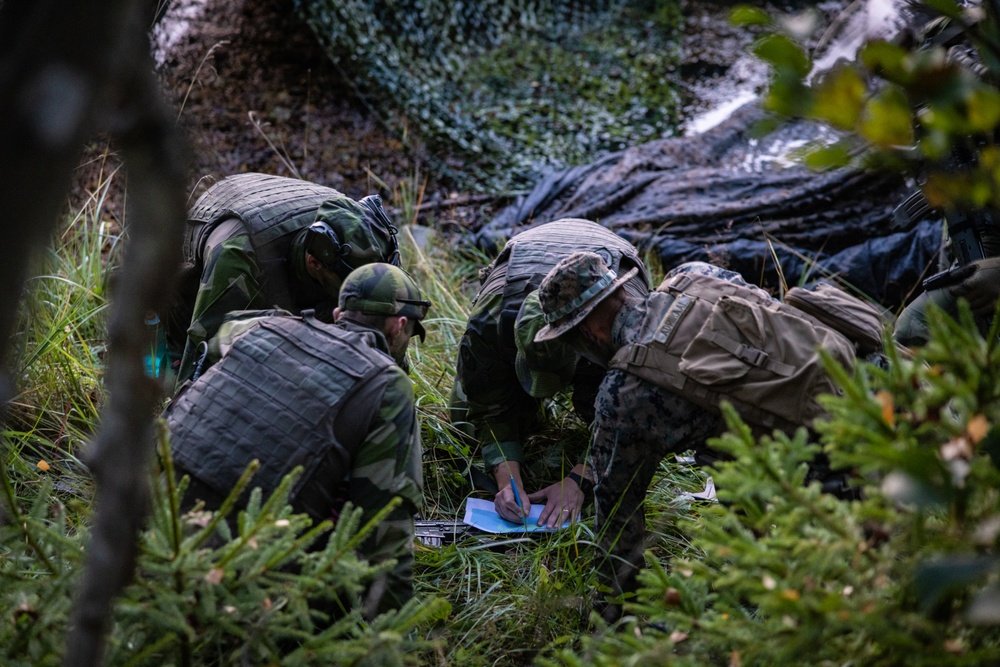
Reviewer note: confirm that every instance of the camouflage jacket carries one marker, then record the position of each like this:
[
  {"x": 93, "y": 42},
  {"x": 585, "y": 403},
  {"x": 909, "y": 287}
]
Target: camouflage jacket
[
  {"x": 245, "y": 249},
  {"x": 498, "y": 400},
  {"x": 232, "y": 280},
  {"x": 363, "y": 447},
  {"x": 637, "y": 423}
]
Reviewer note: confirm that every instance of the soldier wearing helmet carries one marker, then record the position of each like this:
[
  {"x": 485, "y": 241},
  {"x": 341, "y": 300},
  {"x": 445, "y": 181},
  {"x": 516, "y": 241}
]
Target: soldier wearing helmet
[
  {"x": 346, "y": 416},
  {"x": 256, "y": 241}
]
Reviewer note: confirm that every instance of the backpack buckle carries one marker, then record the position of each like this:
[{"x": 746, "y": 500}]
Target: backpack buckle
[{"x": 752, "y": 355}]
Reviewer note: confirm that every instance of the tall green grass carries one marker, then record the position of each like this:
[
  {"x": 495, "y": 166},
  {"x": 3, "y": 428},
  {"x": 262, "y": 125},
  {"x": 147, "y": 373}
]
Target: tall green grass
[
  {"x": 775, "y": 574},
  {"x": 510, "y": 599},
  {"x": 59, "y": 348}
]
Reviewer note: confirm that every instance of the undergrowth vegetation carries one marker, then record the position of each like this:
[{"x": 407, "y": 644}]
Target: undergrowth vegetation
[
  {"x": 509, "y": 88},
  {"x": 775, "y": 573}
]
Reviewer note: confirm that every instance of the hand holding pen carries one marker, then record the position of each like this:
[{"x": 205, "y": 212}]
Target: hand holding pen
[
  {"x": 511, "y": 503},
  {"x": 517, "y": 499}
]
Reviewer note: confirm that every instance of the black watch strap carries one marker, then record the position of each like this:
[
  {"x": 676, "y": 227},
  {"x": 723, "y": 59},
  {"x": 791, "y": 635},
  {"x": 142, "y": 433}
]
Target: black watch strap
[{"x": 585, "y": 484}]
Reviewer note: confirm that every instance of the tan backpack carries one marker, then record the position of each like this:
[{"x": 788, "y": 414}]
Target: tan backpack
[{"x": 710, "y": 340}]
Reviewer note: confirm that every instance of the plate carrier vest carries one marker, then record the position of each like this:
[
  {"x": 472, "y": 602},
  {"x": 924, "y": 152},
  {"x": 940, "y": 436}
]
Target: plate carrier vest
[
  {"x": 528, "y": 257},
  {"x": 273, "y": 209},
  {"x": 303, "y": 371},
  {"x": 708, "y": 340}
]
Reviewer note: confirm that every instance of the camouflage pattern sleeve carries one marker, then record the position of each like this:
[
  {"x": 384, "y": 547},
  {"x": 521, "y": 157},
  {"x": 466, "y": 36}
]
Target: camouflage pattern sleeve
[
  {"x": 637, "y": 424},
  {"x": 388, "y": 464},
  {"x": 230, "y": 281},
  {"x": 495, "y": 405},
  {"x": 543, "y": 369}
]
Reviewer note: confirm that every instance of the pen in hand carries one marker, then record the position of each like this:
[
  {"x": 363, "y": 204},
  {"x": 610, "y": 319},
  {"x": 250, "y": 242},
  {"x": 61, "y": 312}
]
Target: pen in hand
[{"x": 517, "y": 499}]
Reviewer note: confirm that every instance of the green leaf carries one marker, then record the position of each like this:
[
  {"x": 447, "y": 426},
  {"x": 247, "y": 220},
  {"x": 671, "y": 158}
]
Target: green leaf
[
  {"x": 983, "y": 109},
  {"x": 889, "y": 61},
  {"x": 744, "y": 15},
  {"x": 788, "y": 96},
  {"x": 887, "y": 120},
  {"x": 839, "y": 97},
  {"x": 828, "y": 157},
  {"x": 784, "y": 54}
]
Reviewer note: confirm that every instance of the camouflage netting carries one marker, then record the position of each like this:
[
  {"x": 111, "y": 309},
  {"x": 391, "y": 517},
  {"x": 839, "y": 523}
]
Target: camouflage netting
[
  {"x": 737, "y": 196},
  {"x": 507, "y": 88},
  {"x": 728, "y": 197}
]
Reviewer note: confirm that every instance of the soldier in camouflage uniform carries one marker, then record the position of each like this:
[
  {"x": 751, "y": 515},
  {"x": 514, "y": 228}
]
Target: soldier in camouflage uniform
[
  {"x": 293, "y": 391},
  {"x": 502, "y": 374},
  {"x": 637, "y": 423},
  {"x": 256, "y": 241}
]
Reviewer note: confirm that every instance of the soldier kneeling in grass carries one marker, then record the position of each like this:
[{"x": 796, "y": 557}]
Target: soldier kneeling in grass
[
  {"x": 334, "y": 399},
  {"x": 703, "y": 336}
]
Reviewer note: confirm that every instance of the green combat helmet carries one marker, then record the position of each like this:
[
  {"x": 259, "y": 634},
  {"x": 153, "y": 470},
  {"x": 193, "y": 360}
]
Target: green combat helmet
[
  {"x": 384, "y": 289},
  {"x": 348, "y": 234},
  {"x": 572, "y": 289}
]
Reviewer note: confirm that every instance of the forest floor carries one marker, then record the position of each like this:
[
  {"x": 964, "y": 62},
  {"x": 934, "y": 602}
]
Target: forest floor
[{"x": 255, "y": 92}]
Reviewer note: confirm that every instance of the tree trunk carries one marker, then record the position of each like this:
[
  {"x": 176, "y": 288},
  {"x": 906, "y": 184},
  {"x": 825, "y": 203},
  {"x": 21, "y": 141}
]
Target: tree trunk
[{"x": 69, "y": 70}]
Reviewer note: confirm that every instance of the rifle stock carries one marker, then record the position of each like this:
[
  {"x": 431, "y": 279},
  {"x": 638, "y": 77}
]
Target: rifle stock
[{"x": 964, "y": 229}]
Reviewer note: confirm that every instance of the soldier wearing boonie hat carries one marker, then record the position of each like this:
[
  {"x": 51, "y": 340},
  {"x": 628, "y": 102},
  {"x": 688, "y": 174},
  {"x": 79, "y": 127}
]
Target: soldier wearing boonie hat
[
  {"x": 502, "y": 375},
  {"x": 637, "y": 422},
  {"x": 576, "y": 286}
]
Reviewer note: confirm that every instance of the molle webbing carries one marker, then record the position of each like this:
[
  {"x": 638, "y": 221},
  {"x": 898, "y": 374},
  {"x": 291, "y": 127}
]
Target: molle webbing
[
  {"x": 530, "y": 255},
  {"x": 305, "y": 371},
  {"x": 272, "y": 209},
  {"x": 533, "y": 253},
  {"x": 709, "y": 340}
]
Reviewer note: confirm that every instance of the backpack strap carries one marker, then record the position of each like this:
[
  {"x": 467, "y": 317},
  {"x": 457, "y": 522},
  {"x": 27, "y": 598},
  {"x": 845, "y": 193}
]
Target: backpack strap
[{"x": 751, "y": 355}]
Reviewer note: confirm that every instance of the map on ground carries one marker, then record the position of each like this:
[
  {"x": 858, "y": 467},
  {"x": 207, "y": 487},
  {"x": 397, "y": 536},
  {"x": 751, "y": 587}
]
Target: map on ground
[{"x": 480, "y": 514}]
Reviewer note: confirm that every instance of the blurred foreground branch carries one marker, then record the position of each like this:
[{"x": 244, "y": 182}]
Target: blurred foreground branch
[{"x": 68, "y": 71}]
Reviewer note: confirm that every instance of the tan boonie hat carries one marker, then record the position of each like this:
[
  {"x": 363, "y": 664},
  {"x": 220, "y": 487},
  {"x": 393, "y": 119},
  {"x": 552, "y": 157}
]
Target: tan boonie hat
[{"x": 572, "y": 289}]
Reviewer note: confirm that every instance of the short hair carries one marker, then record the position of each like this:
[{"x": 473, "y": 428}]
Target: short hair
[{"x": 365, "y": 319}]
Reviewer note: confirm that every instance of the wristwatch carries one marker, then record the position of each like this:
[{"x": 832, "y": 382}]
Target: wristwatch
[{"x": 585, "y": 484}]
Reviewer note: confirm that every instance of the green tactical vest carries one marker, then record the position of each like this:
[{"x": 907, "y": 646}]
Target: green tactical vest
[
  {"x": 708, "y": 340},
  {"x": 272, "y": 209},
  {"x": 275, "y": 397},
  {"x": 529, "y": 256}
]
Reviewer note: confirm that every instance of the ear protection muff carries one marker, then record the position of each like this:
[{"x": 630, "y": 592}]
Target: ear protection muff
[{"x": 323, "y": 244}]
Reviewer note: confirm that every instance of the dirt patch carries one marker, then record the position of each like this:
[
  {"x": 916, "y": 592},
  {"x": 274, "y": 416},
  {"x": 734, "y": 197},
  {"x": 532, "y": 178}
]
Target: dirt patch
[{"x": 256, "y": 93}]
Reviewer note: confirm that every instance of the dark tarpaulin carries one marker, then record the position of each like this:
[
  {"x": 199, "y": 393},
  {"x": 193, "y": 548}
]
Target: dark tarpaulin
[{"x": 734, "y": 198}]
